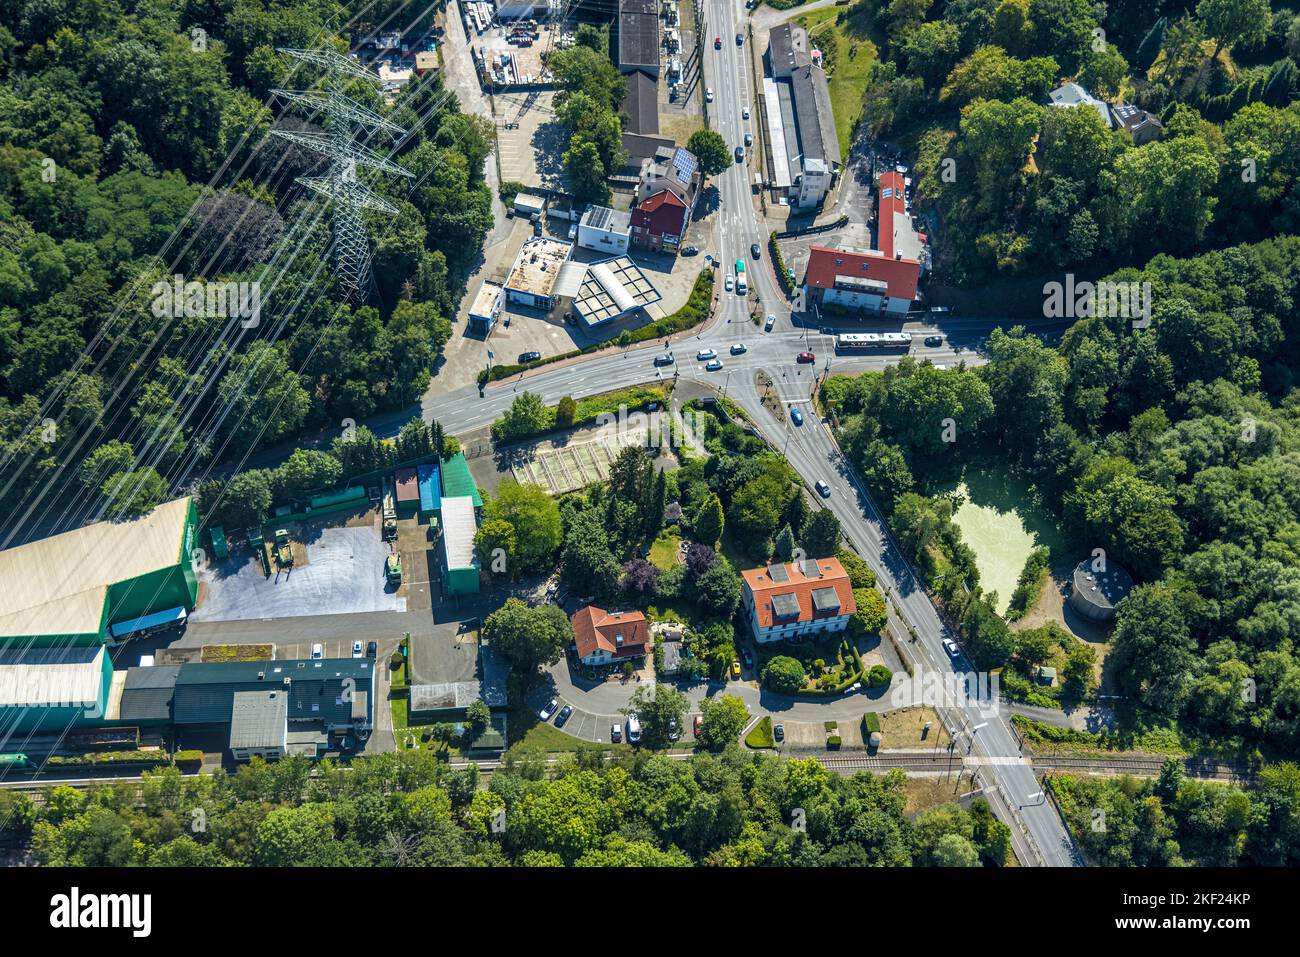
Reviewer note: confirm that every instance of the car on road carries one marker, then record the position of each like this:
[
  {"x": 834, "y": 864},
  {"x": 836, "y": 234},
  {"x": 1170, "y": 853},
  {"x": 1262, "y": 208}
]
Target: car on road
[
  {"x": 674, "y": 730},
  {"x": 934, "y": 340},
  {"x": 823, "y": 489},
  {"x": 691, "y": 251},
  {"x": 551, "y": 707},
  {"x": 708, "y": 94},
  {"x": 940, "y": 310},
  {"x": 739, "y": 348},
  {"x": 744, "y": 114},
  {"x": 697, "y": 724},
  {"x": 356, "y": 649},
  {"x": 615, "y": 733},
  {"x": 529, "y": 356},
  {"x": 633, "y": 730},
  {"x": 317, "y": 651},
  {"x": 740, "y": 39},
  {"x": 778, "y": 732},
  {"x": 740, "y": 154},
  {"x": 796, "y": 417},
  {"x": 735, "y": 670},
  {"x": 704, "y": 354},
  {"x": 951, "y": 648},
  {"x": 713, "y": 365},
  {"x": 749, "y": 139},
  {"x": 807, "y": 357},
  {"x": 717, "y": 43},
  {"x": 747, "y": 658},
  {"x": 563, "y": 716},
  {"x": 664, "y": 360},
  {"x": 754, "y": 251},
  {"x": 771, "y": 321},
  {"x": 730, "y": 283},
  {"x": 372, "y": 649}
]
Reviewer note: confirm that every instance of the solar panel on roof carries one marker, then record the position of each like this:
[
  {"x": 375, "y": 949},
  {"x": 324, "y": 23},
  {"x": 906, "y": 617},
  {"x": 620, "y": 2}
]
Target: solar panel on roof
[
  {"x": 684, "y": 163},
  {"x": 778, "y": 573}
]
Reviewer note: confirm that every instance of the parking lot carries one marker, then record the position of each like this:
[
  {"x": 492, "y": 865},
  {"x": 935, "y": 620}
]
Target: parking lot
[
  {"x": 530, "y": 140},
  {"x": 343, "y": 574}
]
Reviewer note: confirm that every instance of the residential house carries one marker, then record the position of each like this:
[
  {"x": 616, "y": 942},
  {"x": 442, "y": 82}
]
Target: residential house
[
  {"x": 608, "y": 636},
  {"x": 666, "y": 192},
  {"x": 795, "y": 601},
  {"x": 605, "y": 230},
  {"x": 1072, "y": 95},
  {"x": 1142, "y": 127}
]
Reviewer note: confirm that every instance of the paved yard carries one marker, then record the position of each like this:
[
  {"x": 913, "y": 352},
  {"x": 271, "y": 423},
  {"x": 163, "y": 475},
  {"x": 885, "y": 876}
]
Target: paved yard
[
  {"x": 531, "y": 152},
  {"x": 343, "y": 574}
]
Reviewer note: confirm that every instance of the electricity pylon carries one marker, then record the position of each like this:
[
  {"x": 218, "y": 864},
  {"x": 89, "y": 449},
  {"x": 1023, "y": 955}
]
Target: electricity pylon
[{"x": 348, "y": 195}]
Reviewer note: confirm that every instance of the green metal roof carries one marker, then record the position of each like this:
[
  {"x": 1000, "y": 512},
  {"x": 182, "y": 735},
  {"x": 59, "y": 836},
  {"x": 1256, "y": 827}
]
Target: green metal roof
[{"x": 457, "y": 480}]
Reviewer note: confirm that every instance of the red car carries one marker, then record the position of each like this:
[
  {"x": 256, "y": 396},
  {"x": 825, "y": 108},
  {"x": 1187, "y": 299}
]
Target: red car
[
  {"x": 807, "y": 357},
  {"x": 699, "y": 723},
  {"x": 717, "y": 43}
]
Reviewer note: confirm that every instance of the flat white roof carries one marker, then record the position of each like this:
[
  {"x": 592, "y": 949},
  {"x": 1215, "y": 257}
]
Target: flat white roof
[
  {"x": 57, "y": 586},
  {"x": 51, "y": 677},
  {"x": 458, "y": 528},
  {"x": 486, "y": 300},
  {"x": 776, "y": 134}
]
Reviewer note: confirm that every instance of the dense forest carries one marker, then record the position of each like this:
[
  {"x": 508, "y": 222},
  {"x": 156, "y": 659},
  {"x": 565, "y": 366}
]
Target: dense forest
[
  {"x": 1023, "y": 187},
  {"x": 134, "y": 147},
  {"x": 411, "y": 809}
]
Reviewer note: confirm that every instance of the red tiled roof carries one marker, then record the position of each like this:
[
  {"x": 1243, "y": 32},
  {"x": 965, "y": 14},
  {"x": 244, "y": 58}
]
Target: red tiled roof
[
  {"x": 891, "y": 203},
  {"x": 595, "y": 629},
  {"x": 824, "y": 264},
  {"x": 760, "y": 582},
  {"x": 663, "y": 213}
]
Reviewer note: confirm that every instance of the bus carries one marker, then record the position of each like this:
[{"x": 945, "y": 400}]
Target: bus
[
  {"x": 13, "y": 761},
  {"x": 872, "y": 341},
  {"x": 741, "y": 285}
]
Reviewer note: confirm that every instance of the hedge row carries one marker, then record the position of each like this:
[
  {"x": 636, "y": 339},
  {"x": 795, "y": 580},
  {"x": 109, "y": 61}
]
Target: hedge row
[
  {"x": 870, "y": 723},
  {"x": 778, "y": 263},
  {"x": 110, "y": 757}
]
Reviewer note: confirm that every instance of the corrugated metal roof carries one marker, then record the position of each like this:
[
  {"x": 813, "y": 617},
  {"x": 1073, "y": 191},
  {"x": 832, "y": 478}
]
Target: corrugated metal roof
[
  {"x": 317, "y": 690},
  {"x": 51, "y": 677},
  {"x": 259, "y": 719},
  {"x": 457, "y": 480},
  {"x": 65, "y": 578},
  {"x": 458, "y": 529},
  {"x": 147, "y": 694},
  {"x": 430, "y": 488}
]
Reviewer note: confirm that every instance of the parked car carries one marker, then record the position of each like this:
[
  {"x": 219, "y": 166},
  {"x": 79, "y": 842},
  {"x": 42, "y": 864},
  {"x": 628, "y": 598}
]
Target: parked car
[
  {"x": 691, "y": 251},
  {"x": 372, "y": 649},
  {"x": 633, "y": 730},
  {"x": 356, "y": 649},
  {"x": 745, "y": 113},
  {"x": 708, "y": 94},
  {"x": 735, "y": 670},
  {"x": 318, "y": 650},
  {"x": 778, "y": 732},
  {"x": 740, "y": 39},
  {"x": 705, "y": 354},
  {"x": 823, "y": 489},
  {"x": 771, "y": 321},
  {"x": 951, "y": 648},
  {"x": 739, "y": 348},
  {"x": 551, "y": 707},
  {"x": 934, "y": 340},
  {"x": 749, "y": 139},
  {"x": 573, "y": 232},
  {"x": 740, "y": 154},
  {"x": 697, "y": 724},
  {"x": 563, "y": 716},
  {"x": 807, "y": 357},
  {"x": 754, "y": 251},
  {"x": 615, "y": 733},
  {"x": 796, "y": 417},
  {"x": 529, "y": 356},
  {"x": 674, "y": 731},
  {"x": 748, "y": 658},
  {"x": 664, "y": 360},
  {"x": 713, "y": 365}
]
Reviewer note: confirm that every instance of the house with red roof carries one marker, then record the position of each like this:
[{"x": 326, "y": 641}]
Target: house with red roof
[
  {"x": 666, "y": 192},
  {"x": 606, "y": 636},
  {"x": 882, "y": 280},
  {"x": 797, "y": 600}
]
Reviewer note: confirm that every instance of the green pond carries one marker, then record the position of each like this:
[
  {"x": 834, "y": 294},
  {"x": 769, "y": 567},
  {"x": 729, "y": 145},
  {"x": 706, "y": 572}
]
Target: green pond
[{"x": 1002, "y": 524}]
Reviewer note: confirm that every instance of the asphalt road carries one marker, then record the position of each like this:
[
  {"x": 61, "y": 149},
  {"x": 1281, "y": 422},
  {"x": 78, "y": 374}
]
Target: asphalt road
[{"x": 810, "y": 448}]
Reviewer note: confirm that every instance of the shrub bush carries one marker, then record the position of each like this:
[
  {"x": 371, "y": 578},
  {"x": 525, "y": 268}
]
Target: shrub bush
[
  {"x": 833, "y": 743},
  {"x": 879, "y": 677},
  {"x": 870, "y": 723}
]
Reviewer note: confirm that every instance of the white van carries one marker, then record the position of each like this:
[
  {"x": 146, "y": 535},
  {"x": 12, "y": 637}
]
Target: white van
[
  {"x": 317, "y": 651},
  {"x": 633, "y": 730}
]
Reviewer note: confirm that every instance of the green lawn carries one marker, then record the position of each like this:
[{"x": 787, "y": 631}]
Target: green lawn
[
  {"x": 848, "y": 52},
  {"x": 760, "y": 736},
  {"x": 663, "y": 553},
  {"x": 548, "y": 737}
]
